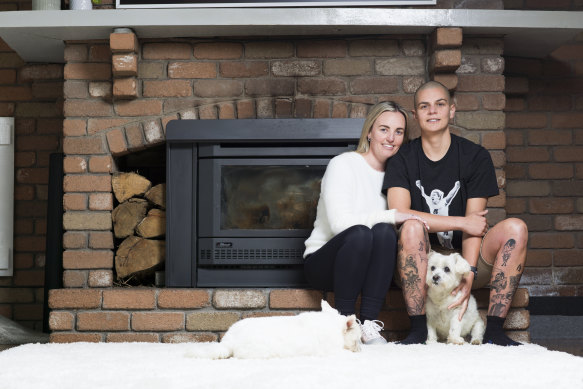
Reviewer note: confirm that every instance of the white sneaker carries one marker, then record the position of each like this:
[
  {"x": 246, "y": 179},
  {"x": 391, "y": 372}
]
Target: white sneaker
[{"x": 371, "y": 332}]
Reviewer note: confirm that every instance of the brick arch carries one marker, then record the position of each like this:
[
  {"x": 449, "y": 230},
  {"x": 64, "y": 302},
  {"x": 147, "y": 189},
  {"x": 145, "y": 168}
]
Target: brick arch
[{"x": 126, "y": 135}]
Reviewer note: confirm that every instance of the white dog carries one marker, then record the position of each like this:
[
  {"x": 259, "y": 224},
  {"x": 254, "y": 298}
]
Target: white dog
[
  {"x": 444, "y": 273},
  {"x": 307, "y": 334}
]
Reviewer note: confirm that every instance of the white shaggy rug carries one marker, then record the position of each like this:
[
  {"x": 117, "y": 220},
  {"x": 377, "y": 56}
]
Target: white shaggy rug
[{"x": 164, "y": 366}]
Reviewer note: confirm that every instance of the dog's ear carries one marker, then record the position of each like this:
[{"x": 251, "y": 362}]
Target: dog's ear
[
  {"x": 351, "y": 322},
  {"x": 430, "y": 254},
  {"x": 461, "y": 265},
  {"x": 327, "y": 308}
]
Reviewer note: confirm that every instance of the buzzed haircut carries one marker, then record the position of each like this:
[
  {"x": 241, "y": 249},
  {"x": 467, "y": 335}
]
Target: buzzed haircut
[{"x": 431, "y": 84}]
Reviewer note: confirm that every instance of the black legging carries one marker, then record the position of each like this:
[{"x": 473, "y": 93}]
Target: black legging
[{"x": 359, "y": 259}]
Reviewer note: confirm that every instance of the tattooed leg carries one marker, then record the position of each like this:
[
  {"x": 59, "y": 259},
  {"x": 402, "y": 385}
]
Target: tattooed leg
[
  {"x": 507, "y": 250},
  {"x": 412, "y": 266},
  {"x": 413, "y": 288},
  {"x": 506, "y": 243},
  {"x": 500, "y": 297},
  {"x": 505, "y": 279}
]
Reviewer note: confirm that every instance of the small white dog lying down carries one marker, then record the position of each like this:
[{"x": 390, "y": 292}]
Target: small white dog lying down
[
  {"x": 307, "y": 334},
  {"x": 444, "y": 273}
]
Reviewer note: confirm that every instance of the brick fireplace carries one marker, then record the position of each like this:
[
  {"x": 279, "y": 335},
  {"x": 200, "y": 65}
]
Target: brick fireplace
[{"x": 121, "y": 94}]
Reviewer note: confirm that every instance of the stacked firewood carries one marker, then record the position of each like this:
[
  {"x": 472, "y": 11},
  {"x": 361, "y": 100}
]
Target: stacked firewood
[{"x": 139, "y": 222}]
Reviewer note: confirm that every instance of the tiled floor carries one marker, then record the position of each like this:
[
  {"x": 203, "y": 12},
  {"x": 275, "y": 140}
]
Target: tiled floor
[
  {"x": 555, "y": 332},
  {"x": 571, "y": 346}
]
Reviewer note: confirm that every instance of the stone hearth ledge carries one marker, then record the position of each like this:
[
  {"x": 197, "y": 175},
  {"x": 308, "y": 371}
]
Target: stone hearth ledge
[{"x": 39, "y": 36}]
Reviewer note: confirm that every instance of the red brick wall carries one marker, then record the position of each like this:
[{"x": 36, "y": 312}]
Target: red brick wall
[
  {"x": 33, "y": 94},
  {"x": 480, "y": 100},
  {"x": 545, "y": 166},
  {"x": 15, "y": 5}
]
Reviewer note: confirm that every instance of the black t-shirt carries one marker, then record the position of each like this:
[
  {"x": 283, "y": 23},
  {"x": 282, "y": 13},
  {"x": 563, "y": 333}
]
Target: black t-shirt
[{"x": 444, "y": 186}]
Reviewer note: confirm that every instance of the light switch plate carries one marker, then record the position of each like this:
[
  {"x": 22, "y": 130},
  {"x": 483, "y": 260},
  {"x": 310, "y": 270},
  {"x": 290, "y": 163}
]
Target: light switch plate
[
  {"x": 4, "y": 259},
  {"x": 5, "y": 135}
]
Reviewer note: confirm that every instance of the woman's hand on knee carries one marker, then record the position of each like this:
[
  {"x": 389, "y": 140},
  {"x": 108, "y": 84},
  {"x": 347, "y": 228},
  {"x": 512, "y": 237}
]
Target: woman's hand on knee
[{"x": 401, "y": 217}]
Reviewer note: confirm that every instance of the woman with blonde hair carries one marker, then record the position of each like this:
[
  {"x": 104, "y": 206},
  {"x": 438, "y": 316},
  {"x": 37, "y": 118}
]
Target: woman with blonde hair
[{"x": 353, "y": 247}]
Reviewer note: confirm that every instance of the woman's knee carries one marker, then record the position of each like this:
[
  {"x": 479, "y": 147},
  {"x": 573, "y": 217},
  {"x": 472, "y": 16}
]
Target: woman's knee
[
  {"x": 383, "y": 228},
  {"x": 359, "y": 235},
  {"x": 358, "y": 232},
  {"x": 384, "y": 231}
]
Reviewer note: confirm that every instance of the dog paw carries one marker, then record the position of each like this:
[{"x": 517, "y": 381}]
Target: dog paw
[
  {"x": 455, "y": 340},
  {"x": 476, "y": 341}
]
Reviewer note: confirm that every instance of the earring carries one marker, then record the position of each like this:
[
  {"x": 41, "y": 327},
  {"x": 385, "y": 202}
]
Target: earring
[{"x": 368, "y": 139}]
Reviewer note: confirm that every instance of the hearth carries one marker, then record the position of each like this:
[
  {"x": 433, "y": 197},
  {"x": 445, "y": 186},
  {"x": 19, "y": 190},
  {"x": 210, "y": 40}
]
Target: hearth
[{"x": 242, "y": 196}]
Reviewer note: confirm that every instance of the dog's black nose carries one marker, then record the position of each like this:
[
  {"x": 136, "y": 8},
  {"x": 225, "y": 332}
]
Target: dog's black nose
[{"x": 435, "y": 278}]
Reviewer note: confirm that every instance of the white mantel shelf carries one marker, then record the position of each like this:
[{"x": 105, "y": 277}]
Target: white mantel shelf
[{"x": 39, "y": 36}]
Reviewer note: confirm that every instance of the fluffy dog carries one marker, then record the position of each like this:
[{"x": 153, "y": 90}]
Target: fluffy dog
[
  {"x": 444, "y": 273},
  {"x": 307, "y": 334}
]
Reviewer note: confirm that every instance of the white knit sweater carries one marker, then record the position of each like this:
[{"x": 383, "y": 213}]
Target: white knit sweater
[{"x": 350, "y": 195}]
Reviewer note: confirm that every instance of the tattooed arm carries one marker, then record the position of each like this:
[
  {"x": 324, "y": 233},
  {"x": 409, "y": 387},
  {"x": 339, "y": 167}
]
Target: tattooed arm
[{"x": 471, "y": 243}]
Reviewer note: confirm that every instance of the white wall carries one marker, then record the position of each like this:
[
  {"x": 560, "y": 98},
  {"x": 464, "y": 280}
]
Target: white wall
[{"x": 6, "y": 195}]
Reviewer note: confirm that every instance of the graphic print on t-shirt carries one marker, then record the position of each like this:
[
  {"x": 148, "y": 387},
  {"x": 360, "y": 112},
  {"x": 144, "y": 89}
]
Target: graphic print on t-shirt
[{"x": 439, "y": 205}]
